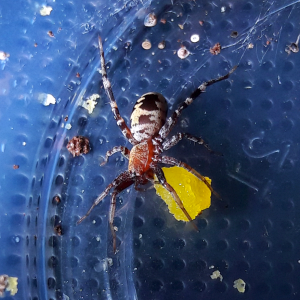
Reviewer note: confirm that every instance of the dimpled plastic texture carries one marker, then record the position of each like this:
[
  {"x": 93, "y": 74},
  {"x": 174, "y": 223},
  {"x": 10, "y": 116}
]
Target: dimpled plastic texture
[{"x": 252, "y": 119}]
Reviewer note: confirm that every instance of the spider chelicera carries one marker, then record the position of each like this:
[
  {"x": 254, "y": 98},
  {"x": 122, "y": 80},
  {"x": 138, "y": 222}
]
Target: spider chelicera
[{"x": 148, "y": 135}]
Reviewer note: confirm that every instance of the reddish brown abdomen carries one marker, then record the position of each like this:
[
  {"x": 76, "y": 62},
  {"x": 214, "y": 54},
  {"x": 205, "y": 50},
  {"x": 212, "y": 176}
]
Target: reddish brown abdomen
[
  {"x": 148, "y": 116},
  {"x": 140, "y": 157}
]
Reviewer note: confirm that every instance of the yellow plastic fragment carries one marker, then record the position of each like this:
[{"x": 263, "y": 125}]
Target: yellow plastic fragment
[
  {"x": 12, "y": 285},
  {"x": 194, "y": 194}
]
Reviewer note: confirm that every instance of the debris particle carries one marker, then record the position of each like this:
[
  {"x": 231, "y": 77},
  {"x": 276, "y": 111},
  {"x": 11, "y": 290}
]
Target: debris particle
[
  {"x": 216, "y": 49},
  {"x": 250, "y": 46},
  {"x": 183, "y": 52},
  {"x": 58, "y": 230},
  {"x": 35, "y": 44},
  {"x": 66, "y": 118},
  {"x": 90, "y": 103},
  {"x": 211, "y": 267},
  {"x": 180, "y": 26},
  {"x": 240, "y": 285},
  {"x": 150, "y": 20},
  {"x": 45, "y": 11},
  {"x": 164, "y": 21},
  {"x": 77, "y": 75},
  {"x": 146, "y": 45},
  {"x": 216, "y": 274},
  {"x": 9, "y": 284},
  {"x": 223, "y": 9},
  {"x": 50, "y": 33},
  {"x": 293, "y": 47},
  {"x": 15, "y": 167},
  {"x": 78, "y": 145},
  {"x": 162, "y": 45},
  {"x": 195, "y": 38},
  {"x": 56, "y": 200},
  {"x": 4, "y": 55},
  {"x": 201, "y": 23},
  {"x": 68, "y": 126},
  {"x": 46, "y": 99},
  {"x": 234, "y": 34}
]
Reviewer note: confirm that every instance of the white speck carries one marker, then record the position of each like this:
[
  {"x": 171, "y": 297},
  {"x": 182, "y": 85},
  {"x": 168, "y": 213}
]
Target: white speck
[
  {"x": 4, "y": 55},
  {"x": 94, "y": 222},
  {"x": 216, "y": 274},
  {"x": 17, "y": 239},
  {"x": 115, "y": 48},
  {"x": 90, "y": 103},
  {"x": 240, "y": 285},
  {"x": 24, "y": 143},
  {"x": 123, "y": 89},
  {"x": 140, "y": 236},
  {"x": 211, "y": 267},
  {"x": 195, "y": 38},
  {"x": 46, "y": 99},
  {"x": 45, "y": 10},
  {"x": 68, "y": 126},
  {"x": 2, "y": 147},
  {"x": 107, "y": 262},
  {"x": 115, "y": 228},
  {"x": 98, "y": 238},
  {"x": 223, "y": 9}
]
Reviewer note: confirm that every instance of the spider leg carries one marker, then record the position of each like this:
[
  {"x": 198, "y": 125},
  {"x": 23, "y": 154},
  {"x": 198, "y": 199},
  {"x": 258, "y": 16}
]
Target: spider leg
[
  {"x": 165, "y": 130},
  {"x": 124, "y": 179},
  {"x": 174, "y": 162},
  {"x": 114, "y": 150},
  {"x": 162, "y": 179},
  {"x": 179, "y": 136},
  {"x": 112, "y": 210},
  {"x": 114, "y": 107}
]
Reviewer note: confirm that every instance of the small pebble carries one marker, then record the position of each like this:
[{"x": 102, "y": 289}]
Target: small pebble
[
  {"x": 146, "y": 45},
  {"x": 183, "y": 52},
  {"x": 161, "y": 45},
  {"x": 150, "y": 20}
]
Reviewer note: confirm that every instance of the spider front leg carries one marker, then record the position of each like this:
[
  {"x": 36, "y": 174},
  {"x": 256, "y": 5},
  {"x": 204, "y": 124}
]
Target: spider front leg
[
  {"x": 165, "y": 130},
  {"x": 179, "y": 136},
  {"x": 174, "y": 162},
  {"x": 162, "y": 179},
  {"x": 114, "y": 107},
  {"x": 125, "y": 152}
]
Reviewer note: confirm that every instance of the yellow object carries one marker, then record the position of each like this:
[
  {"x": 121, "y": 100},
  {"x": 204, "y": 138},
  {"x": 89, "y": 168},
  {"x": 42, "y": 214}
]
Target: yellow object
[
  {"x": 12, "y": 285},
  {"x": 193, "y": 192}
]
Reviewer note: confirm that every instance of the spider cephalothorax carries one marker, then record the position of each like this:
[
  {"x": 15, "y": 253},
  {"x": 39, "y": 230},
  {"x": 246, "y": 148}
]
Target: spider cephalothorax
[{"x": 149, "y": 130}]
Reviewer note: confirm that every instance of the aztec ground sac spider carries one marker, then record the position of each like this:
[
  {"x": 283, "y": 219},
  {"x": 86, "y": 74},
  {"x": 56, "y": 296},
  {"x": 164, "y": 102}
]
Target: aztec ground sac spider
[{"x": 148, "y": 135}]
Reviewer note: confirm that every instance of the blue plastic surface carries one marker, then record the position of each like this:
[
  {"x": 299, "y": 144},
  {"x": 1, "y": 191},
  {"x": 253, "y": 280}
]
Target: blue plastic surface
[{"x": 252, "y": 118}]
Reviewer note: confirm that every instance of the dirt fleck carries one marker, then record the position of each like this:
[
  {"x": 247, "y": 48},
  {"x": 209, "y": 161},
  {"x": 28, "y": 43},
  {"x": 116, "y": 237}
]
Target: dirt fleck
[
  {"x": 216, "y": 49},
  {"x": 78, "y": 145}
]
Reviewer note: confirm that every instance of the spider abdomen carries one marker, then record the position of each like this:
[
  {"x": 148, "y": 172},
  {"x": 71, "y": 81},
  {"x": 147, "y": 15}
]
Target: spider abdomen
[
  {"x": 148, "y": 116},
  {"x": 141, "y": 157}
]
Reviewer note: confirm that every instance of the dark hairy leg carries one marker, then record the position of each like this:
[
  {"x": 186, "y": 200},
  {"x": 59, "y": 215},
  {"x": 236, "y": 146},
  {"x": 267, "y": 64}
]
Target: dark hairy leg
[
  {"x": 175, "y": 162},
  {"x": 114, "y": 107},
  {"x": 125, "y": 152},
  {"x": 161, "y": 177},
  {"x": 125, "y": 179},
  {"x": 165, "y": 130},
  {"x": 167, "y": 144}
]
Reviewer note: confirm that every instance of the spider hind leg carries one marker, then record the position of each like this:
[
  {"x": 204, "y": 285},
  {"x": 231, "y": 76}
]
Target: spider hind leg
[
  {"x": 168, "y": 160},
  {"x": 161, "y": 177}
]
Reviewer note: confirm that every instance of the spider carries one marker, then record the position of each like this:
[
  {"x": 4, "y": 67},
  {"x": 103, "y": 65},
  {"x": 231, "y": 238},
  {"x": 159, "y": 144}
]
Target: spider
[{"x": 148, "y": 135}]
